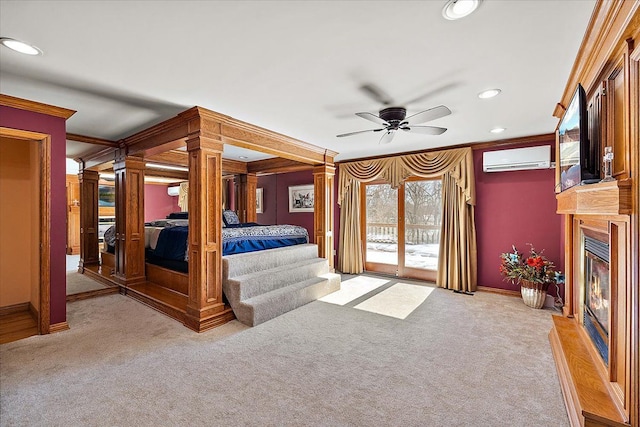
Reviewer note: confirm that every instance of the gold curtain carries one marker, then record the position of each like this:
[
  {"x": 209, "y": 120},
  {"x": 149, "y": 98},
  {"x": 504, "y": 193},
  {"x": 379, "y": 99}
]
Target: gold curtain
[
  {"x": 457, "y": 265},
  {"x": 183, "y": 196},
  {"x": 350, "y": 259}
]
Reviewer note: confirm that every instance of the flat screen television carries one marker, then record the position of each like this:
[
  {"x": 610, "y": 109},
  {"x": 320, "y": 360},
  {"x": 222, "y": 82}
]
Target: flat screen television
[{"x": 579, "y": 160}]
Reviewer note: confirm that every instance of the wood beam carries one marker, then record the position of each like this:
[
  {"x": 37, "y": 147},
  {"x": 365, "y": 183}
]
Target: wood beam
[
  {"x": 91, "y": 140},
  {"x": 276, "y": 165}
]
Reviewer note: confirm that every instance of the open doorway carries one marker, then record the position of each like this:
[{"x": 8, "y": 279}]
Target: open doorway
[{"x": 24, "y": 234}]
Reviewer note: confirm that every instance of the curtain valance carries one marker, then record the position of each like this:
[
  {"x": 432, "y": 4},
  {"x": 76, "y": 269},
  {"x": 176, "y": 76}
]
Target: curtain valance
[{"x": 395, "y": 170}]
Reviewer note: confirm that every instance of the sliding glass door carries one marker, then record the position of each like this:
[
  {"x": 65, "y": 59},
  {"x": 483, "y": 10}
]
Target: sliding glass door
[{"x": 402, "y": 228}]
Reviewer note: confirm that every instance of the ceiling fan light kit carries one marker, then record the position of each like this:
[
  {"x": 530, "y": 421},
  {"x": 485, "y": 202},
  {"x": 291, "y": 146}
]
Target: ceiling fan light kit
[{"x": 395, "y": 118}]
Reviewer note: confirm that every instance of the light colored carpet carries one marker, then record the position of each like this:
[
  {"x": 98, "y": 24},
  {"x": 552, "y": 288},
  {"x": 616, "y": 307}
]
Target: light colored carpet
[
  {"x": 456, "y": 360},
  {"x": 77, "y": 283}
]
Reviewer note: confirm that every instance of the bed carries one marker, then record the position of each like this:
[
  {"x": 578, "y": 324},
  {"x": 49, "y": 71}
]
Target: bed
[{"x": 166, "y": 240}]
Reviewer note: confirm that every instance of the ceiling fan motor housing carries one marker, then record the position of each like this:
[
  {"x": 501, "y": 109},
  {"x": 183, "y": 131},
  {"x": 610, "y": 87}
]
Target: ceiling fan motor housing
[{"x": 393, "y": 115}]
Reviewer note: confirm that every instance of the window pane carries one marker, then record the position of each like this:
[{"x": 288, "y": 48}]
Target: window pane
[
  {"x": 423, "y": 210},
  {"x": 382, "y": 224}
]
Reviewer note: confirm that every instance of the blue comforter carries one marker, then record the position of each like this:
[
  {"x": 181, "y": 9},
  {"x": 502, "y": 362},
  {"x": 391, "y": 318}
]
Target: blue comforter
[{"x": 249, "y": 237}]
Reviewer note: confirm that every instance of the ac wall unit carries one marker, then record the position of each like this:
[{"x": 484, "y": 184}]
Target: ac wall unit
[
  {"x": 517, "y": 159},
  {"x": 173, "y": 191}
]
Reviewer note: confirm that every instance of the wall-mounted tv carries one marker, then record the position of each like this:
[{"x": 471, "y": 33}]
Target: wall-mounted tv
[
  {"x": 579, "y": 160},
  {"x": 106, "y": 196}
]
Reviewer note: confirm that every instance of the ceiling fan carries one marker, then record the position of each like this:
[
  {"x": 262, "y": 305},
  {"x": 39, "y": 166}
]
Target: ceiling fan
[{"x": 395, "y": 118}]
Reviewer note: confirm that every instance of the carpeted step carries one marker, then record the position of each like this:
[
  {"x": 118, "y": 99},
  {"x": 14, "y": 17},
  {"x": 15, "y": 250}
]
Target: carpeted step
[
  {"x": 267, "y": 306},
  {"x": 260, "y": 282},
  {"x": 251, "y": 262}
]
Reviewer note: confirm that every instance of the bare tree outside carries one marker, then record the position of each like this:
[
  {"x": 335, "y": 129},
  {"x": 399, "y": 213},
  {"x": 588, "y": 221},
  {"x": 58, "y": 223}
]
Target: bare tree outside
[{"x": 423, "y": 207}]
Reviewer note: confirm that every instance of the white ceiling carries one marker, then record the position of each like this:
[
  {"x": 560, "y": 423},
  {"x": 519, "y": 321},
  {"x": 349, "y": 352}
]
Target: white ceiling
[{"x": 295, "y": 67}]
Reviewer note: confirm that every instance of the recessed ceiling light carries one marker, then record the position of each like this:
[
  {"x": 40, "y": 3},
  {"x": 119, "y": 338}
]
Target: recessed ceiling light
[
  {"x": 19, "y": 46},
  {"x": 456, "y": 9},
  {"x": 489, "y": 93},
  {"x": 497, "y": 130},
  {"x": 243, "y": 157}
]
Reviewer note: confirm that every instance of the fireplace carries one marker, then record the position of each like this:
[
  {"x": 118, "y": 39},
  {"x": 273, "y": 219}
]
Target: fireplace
[{"x": 597, "y": 294}]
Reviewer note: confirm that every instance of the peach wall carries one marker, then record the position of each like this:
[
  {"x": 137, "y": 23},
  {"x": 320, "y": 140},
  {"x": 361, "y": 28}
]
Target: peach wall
[
  {"x": 34, "y": 179},
  {"x": 16, "y": 216}
]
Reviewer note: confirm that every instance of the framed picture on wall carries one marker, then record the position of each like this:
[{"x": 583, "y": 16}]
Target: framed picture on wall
[
  {"x": 258, "y": 200},
  {"x": 301, "y": 198}
]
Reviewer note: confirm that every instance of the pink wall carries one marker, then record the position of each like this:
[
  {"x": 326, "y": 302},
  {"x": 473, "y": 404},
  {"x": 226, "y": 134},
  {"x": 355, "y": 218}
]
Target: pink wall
[
  {"x": 157, "y": 203},
  {"x": 56, "y": 127},
  {"x": 276, "y": 203},
  {"x": 514, "y": 208}
]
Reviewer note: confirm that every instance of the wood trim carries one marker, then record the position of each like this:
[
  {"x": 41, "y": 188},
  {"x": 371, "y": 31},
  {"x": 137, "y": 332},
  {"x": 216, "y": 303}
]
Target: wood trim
[
  {"x": 58, "y": 327},
  {"x": 92, "y": 294},
  {"x": 44, "y": 314},
  {"x": 44, "y": 147},
  {"x": 585, "y": 392},
  {"x": 500, "y": 291},
  {"x": 91, "y": 140},
  {"x": 611, "y": 23},
  {"x": 35, "y": 107},
  {"x": 15, "y": 308},
  {"x": 170, "y": 279}
]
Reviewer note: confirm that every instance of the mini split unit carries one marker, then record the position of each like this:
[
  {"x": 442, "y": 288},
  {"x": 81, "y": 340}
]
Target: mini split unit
[{"x": 517, "y": 159}]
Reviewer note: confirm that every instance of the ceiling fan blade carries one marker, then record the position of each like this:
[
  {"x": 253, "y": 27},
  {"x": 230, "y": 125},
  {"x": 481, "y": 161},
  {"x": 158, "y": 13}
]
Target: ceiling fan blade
[
  {"x": 387, "y": 137},
  {"x": 377, "y": 94},
  {"x": 429, "y": 130},
  {"x": 428, "y": 115},
  {"x": 372, "y": 117},
  {"x": 360, "y": 131},
  {"x": 431, "y": 93}
]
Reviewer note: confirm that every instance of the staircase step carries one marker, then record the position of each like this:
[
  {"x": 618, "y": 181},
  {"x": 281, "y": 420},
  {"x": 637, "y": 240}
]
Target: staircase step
[
  {"x": 260, "y": 282},
  {"x": 251, "y": 262},
  {"x": 267, "y": 306}
]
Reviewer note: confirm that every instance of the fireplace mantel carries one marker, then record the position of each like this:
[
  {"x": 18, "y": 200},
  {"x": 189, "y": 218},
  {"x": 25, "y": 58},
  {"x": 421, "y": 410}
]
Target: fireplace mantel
[{"x": 603, "y": 198}]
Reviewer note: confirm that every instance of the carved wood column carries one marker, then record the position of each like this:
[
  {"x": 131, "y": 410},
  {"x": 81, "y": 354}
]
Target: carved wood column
[
  {"x": 130, "y": 266},
  {"x": 246, "y": 203},
  {"x": 323, "y": 211},
  {"x": 88, "y": 181},
  {"x": 205, "y": 308}
]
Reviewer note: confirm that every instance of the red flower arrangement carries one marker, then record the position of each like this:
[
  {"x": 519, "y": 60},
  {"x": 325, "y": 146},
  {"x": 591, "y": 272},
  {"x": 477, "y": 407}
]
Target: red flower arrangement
[{"x": 535, "y": 268}]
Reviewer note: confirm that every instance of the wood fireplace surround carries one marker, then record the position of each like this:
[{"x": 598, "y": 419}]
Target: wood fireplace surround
[{"x": 600, "y": 383}]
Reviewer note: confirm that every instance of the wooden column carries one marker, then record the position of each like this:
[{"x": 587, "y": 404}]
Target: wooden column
[
  {"x": 246, "y": 203},
  {"x": 88, "y": 180},
  {"x": 130, "y": 267},
  {"x": 73, "y": 215},
  {"x": 323, "y": 211},
  {"x": 205, "y": 308}
]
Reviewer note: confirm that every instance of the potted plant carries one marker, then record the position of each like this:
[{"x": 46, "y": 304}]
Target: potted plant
[{"x": 533, "y": 273}]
